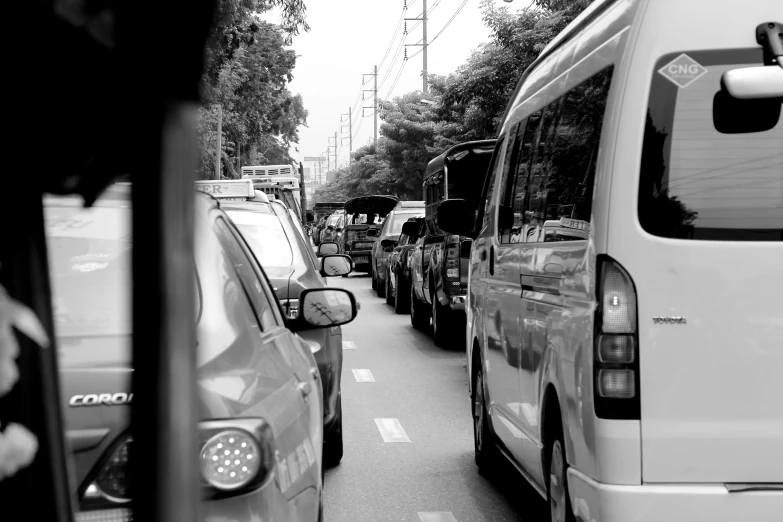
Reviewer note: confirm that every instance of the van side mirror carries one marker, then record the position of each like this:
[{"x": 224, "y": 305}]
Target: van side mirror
[
  {"x": 410, "y": 228},
  {"x": 455, "y": 216}
]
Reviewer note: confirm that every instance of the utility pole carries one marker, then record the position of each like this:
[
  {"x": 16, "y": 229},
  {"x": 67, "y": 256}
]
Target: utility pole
[
  {"x": 219, "y": 145},
  {"x": 374, "y": 107},
  {"x": 239, "y": 159},
  {"x": 335, "y": 151},
  {"x": 350, "y": 133},
  {"x": 423, "y": 44}
]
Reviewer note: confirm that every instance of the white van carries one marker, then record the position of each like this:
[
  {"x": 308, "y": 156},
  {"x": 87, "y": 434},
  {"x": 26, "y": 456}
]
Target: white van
[{"x": 630, "y": 363}]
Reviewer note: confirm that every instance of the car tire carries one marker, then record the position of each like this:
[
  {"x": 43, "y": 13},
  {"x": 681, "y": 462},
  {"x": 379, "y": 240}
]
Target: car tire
[
  {"x": 557, "y": 494},
  {"x": 420, "y": 318},
  {"x": 486, "y": 453},
  {"x": 441, "y": 316},
  {"x": 333, "y": 439},
  {"x": 401, "y": 303},
  {"x": 373, "y": 283},
  {"x": 389, "y": 296}
]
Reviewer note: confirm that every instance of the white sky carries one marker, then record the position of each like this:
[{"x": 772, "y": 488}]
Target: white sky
[{"x": 348, "y": 37}]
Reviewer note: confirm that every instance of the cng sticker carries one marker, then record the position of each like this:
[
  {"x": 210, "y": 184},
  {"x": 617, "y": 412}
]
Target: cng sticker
[{"x": 683, "y": 71}]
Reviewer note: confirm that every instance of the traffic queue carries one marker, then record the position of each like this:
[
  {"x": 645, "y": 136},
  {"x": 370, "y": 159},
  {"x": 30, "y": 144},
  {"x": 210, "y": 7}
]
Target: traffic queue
[
  {"x": 607, "y": 254},
  {"x": 269, "y": 348}
]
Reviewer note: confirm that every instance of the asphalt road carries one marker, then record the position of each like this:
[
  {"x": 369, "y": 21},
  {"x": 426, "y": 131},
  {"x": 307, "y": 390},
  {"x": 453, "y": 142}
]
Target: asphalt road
[{"x": 408, "y": 433}]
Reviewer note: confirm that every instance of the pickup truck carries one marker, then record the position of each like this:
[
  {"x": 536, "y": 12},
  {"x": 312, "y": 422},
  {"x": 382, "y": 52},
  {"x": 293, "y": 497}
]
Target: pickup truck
[{"x": 439, "y": 262}]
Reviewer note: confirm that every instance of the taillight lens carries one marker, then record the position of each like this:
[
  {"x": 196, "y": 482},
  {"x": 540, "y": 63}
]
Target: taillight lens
[
  {"x": 616, "y": 357},
  {"x": 112, "y": 481},
  {"x": 452, "y": 257},
  {"x": 230, "y": 460}
]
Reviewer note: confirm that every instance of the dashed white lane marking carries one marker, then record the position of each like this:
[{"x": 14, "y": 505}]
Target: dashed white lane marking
[
  {"x": 391, "y": 430},
  {"x": 436, "y": 516},
  {"x": 349, "y": 345},
  {"x": 363, "y": 376}
]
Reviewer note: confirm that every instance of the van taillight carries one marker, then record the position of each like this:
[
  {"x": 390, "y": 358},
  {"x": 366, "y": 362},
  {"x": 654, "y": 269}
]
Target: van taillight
[
  {"x": 616, "y": 348},
  {"x": 452, "y": 257}
]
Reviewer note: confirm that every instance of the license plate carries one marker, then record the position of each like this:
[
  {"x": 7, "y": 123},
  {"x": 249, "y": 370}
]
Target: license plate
[{"x": 359, "y": 260}]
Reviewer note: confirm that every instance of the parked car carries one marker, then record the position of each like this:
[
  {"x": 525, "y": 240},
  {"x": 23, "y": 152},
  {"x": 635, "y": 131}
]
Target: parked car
[
  {"x": 275, "y": 470},
  {"x": 440, "y": 260},
  {"x": 398, "y": 275},
  {"x": 387, "y": 240},
  {"x": 363, "y": 216},
  {"x": 642, "y": 313},
  {"x": 276, "y": 239}
]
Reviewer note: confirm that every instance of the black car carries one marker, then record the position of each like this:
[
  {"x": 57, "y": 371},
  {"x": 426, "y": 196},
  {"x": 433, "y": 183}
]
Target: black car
[{"x": 398, "y": 275}]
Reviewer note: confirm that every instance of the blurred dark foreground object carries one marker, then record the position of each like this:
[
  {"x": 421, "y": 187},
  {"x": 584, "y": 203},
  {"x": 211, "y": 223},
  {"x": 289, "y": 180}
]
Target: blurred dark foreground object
[{"x": 99, "y": 89}]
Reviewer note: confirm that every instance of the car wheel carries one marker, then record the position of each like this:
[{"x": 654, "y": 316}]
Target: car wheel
[
  {"x": 333, "y": 439},
  {"x": 557, "y": 492},
  {"x": 486, "y": 452},
  {"x": 401, "y": 304},
  {"x": 440, "y": 319},
  {"x": 389, "y": 295},
  {"x": 419, "y": 313}
]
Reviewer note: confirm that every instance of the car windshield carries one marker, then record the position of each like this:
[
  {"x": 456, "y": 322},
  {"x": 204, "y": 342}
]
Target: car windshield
[
  {"x": 89, "y": 256},
  {"x": 398, "y": 220},
  {"x": 265, "y": 235},
  {"x": 701, "y": 184}
]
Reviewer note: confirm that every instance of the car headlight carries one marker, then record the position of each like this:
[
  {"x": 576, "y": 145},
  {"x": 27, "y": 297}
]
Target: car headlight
[{"x": 230, "y": 460}]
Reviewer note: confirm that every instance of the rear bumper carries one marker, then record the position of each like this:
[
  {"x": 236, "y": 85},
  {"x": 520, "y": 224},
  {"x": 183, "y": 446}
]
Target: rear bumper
[{"x": 593, "y": 502}]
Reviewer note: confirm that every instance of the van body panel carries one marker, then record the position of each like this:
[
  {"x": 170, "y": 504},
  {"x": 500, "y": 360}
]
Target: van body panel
[{"x": 710, "y": 388}]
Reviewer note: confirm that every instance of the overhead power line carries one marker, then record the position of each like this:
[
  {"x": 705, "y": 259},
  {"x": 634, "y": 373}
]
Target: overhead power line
[{"x": 450, "y": 20}]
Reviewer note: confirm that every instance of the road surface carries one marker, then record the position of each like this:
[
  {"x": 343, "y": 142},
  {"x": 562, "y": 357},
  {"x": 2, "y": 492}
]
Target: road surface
[{"x": 407, "y": 430}]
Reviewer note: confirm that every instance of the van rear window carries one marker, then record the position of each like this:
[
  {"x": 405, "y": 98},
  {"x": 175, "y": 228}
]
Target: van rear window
[{"x": 698, "y": 183}]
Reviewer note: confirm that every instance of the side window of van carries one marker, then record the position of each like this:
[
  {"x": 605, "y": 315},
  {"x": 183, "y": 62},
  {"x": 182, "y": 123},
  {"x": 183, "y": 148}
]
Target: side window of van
[
  {"x": 516, "y": 193},
  {"x": 489, "y": 187},
  {"x": 563, "y": 172},
  {"x": 505, "y": 219}
]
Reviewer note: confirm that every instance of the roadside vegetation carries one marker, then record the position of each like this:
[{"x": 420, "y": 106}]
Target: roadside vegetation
[{"x": 463, "y": 106}]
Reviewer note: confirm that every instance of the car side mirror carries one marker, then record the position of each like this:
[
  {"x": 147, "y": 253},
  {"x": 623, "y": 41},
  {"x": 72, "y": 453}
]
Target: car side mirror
[
  {"x": 327, "y": 248},
  {"x": 372, "y": 232},
  {"x": 324, "y": 308},
  {"x": 336, "y": 265},
  {"x": 410, "y": 228},
  {"x": 455, "y": 216},
  {"x": 388, "y": 245}
]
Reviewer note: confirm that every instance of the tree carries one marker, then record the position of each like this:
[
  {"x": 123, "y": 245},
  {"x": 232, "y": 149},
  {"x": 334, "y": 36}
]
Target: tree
[{"x": 259, "y": 113}]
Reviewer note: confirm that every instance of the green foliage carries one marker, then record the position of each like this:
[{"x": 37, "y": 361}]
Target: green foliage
[
  {"x": 246, "y": 73},
  {"x": 465, "y": 106}
]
